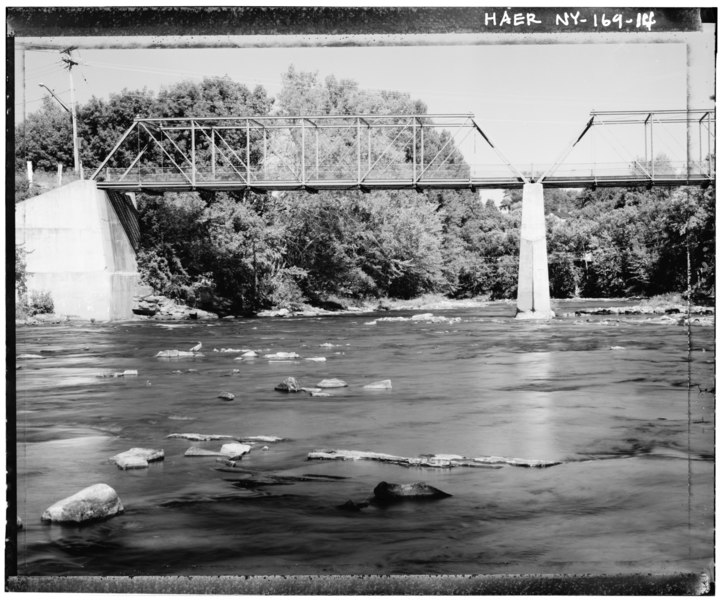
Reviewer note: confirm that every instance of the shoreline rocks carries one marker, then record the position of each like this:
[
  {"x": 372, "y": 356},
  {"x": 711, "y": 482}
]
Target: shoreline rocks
[
  {"x": 157, "y": 307},
  {"x": 92, "y": 503}
]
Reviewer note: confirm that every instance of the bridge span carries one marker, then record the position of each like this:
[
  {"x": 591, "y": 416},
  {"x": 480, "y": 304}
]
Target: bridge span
[
  {"x": 357, "y": 152},
  {"x": 411, "y": 152}
]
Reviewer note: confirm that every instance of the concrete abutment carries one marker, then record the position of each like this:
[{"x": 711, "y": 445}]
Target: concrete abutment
[
  {"x": 534, "y": 297},
  {"x": 78, "y": 247}
]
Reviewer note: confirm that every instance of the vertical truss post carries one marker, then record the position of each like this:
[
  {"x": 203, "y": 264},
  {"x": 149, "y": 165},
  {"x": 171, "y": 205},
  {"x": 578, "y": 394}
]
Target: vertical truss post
[
  {"x": 700, "y": 143},
  {"x": 645, "y": 140},
  {"x": 653, "y": 160},
  {"x": 317, "y": 151},
  {"x": 415, "y": 121},
  {"x": 711, "y": 166},
  {"x": 212, "y": 151},
  {"x": 302, "y": 151},
  {"x": 358, "y": 150},
  {"x": 421, "y": 173},
  {"x": 192, "y": 151},
  {"x": 247, "y": 151},
  {"x": 369, "y": 148},
  {"x": 265, "y": 154}
]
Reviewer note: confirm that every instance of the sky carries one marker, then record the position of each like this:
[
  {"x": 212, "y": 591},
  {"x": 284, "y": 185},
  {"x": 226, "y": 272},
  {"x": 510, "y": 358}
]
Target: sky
[{"x": 531, "y": 99}]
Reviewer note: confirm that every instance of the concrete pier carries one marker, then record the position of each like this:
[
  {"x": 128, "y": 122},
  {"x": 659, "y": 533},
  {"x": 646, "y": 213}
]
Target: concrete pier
[
  {"x": 78, "y": 250},
  {"x": 534, "y": 297}
]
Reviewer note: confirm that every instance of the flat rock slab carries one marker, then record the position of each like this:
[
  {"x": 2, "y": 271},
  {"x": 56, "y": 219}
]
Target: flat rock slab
[
  {"x": 316, "y": 358},
  {"x": 95, "y": 502},
  {"x": 386, "y": 493},
  {"x": 177, "y": 354},
  {"x": 331, "y": 383},
  {"x": 227, "y": 396},
  {"x": 431, "y": 460},
  {"x": 271, "y": 439},
  {"x": 379, "y": 385},
  {"x": 137, "y": 458},
  {"x": 201, "y": 437}
]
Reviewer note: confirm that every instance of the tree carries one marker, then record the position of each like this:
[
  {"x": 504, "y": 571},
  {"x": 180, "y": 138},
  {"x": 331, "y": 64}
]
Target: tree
[{"x": 46, "y": 138}]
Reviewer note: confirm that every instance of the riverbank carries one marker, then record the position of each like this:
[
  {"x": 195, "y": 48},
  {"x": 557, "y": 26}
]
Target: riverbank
[{"x": 155, "y": 307}]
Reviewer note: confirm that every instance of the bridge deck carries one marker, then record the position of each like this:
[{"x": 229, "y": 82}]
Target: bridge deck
[{"x": 310, "y": 185}]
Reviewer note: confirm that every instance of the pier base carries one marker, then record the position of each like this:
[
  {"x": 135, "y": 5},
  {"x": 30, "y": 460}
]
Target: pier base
[
  {"x": 78, "y": 248},
  {"x": 534, "y": 297}
]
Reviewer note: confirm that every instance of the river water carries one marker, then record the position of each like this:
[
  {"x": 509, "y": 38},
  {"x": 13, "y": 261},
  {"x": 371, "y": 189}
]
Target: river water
[{"x": 607, "y": 396}]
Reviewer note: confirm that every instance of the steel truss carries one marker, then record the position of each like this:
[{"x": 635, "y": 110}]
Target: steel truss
[
  {"x": 642, "y": 166},
  {"x": 308, "y": 153},
  {"x": 367, "y": 152}
]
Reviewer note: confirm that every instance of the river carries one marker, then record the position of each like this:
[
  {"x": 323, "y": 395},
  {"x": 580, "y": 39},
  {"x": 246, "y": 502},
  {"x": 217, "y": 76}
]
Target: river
[{"x": 608, "y": 397}]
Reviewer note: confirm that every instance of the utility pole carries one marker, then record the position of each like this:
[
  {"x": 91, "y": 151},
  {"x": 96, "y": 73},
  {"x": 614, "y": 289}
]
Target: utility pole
[{"x": 69, "y": 64}]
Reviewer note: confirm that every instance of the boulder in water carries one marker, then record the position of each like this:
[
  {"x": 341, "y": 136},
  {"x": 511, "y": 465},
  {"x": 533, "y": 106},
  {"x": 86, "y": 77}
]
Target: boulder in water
[
  {"x": 289, "y": 384},
  {"x": 98, "y": 501},
  {"x": 386, "y": 493},
  {"x": 332, "y": 383},
  {"x": 226, "y": 396},
  {"x": 137, "y": 458},
  {"x": 234, "y": 450}
]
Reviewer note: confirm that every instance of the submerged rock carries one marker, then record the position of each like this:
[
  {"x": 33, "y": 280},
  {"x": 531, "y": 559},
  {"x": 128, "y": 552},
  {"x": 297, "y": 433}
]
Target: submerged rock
[
  {"x": 379, "y": 385},
  {"x": 137, "y": 458},
  {"x": 28, "y": 356},
  {"x": 386, "y": 493},
  {"x": 319, "y": 394},
  {"x": 226, "y": 396},
  {"x": 332, "y": 383},
  {"x": 262, "y": 438},
  {"x": 289, "y": 384},
  {"x": 351, "y": 506},
  {"x": 98, "y": 501},
  {"x": 177, "y": 354},
  {"x": 316, "y": 358},
  {"x": 282, "y": 356},
  {"x": 195, "y": 451},
  {"x": 248, "y": 354}
]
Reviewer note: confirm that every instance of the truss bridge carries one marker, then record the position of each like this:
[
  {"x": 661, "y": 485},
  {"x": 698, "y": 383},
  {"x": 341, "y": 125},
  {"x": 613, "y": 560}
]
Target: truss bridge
[{"x": 419, "y": 152}]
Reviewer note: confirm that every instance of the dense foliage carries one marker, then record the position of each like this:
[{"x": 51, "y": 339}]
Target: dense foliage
[{"x": 240, "y": 252}]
